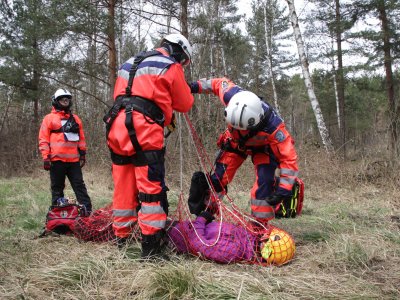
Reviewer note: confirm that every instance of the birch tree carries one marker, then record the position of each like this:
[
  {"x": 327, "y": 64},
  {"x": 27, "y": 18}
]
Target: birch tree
[{"x": 323, "y": 131}]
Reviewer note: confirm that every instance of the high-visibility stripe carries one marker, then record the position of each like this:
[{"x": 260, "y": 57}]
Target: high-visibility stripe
[
  {"x": 123, "y": 74},
  {"x": 151, "y": 71},
  {"x": 157, "y": 224},
  {"x": 289, "y": 172},
  {"x": 124, "y": 224},
  {"x": 259, "y": 203},
  {"x": 63, "y": 144},
  {"x": 285, "y": 180},
  {"x": 124, "y": 213},
  {"x": 154, "y": 65},
  {"x": 263, "y": 215},
  {"x": 261, "y": 209},
  {"x": 206, "y": 85},
  {"x": 149, "y": 210}
]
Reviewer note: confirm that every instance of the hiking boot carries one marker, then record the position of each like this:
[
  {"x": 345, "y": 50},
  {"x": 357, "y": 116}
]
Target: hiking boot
[
  {"x": 152, "y": 248},
  {"x": 121, "y": 242}
]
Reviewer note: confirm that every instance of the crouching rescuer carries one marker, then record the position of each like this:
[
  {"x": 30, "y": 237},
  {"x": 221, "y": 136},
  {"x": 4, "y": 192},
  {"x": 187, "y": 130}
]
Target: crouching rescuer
[
  {"x": 256, "y": 130},
  {"x": 149, "y": 87}
]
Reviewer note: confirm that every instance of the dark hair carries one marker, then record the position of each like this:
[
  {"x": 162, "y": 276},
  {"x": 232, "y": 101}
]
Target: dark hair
[{"x": 175, "y": 51}]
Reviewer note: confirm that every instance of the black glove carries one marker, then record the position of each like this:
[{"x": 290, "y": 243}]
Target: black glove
[
  {"x": 82, "y": 158},
  {"x": 206, "y": 215},
  {"x": 46, "y": 164},
  {"x": 194, "y": 87},
  {"x": 277, "y": 198}
]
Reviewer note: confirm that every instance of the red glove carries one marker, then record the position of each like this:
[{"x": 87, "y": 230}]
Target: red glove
[
  {"x": 82, "y": 160},
  {"x": 46, "y": 164}
]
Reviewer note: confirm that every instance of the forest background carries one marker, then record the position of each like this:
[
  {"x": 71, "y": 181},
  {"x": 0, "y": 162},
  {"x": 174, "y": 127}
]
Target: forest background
[{"x": 336, "y": 86}]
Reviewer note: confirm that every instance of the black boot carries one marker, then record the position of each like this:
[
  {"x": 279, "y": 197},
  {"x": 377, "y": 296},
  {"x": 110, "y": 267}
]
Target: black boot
[
  {"x": 121, "y": 242},
  {"x": 151, "y": 246}
]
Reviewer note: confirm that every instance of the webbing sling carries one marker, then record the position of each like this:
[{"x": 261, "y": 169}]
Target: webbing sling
[
  {"x": 146, "y": 107},
  {"x": 70, "y": 124}
]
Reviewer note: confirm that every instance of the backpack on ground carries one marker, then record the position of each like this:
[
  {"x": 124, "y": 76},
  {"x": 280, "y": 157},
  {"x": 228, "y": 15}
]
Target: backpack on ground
[
  {"x": 61, "y": 218},
  {"x": 292, "y": 207}
]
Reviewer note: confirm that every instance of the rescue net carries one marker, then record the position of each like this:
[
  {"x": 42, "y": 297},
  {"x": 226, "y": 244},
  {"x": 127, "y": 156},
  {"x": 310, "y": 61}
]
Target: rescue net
[
  {"x": 233, "y": 235},
  {"x": 97, "y": 227}
]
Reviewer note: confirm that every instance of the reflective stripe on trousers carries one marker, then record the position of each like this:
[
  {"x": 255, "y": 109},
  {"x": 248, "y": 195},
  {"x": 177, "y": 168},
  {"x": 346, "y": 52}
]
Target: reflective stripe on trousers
[
  {"x": 262, "y": 210},
  {"x": 152, "y": 218}
]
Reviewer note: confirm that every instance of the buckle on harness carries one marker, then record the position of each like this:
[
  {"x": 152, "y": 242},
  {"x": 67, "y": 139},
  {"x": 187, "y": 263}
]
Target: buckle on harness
[{"x": 160, "y": 121}]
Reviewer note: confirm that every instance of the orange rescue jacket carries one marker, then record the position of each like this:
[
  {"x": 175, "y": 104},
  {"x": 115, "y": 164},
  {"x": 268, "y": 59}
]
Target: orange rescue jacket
[
  {"x": 159, "y": 79},
  {"x": 54, "y": 145}
]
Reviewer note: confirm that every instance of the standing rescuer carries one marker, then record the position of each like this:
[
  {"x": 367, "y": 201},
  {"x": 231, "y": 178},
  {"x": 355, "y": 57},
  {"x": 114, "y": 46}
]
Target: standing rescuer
[
  {"x": 63, "y": 148},
  {"x": 149, "y": 87}
]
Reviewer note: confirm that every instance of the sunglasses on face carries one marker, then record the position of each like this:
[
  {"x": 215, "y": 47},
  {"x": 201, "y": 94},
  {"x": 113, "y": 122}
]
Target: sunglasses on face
[{"x": 64, "y": 99}]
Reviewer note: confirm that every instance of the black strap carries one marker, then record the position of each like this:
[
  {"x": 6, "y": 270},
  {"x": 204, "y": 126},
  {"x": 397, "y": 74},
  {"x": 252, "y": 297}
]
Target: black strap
[
  {"x": 61, "y": 129},
  {"x": 138, "y": 59},
  {"x": 149, "y": 198},
  {"x": 119, "y": 102},
  {"x": 132, "y": 132},
  {"x": 147, "y": 107},
  {"x": 147, "y": 157}
]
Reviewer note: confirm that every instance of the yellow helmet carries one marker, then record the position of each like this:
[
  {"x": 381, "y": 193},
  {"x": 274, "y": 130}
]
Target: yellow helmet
[{"x": 279, "y": 248}]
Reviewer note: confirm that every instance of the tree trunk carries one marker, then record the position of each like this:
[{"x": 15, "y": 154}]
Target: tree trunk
[
  {"x": 323, "y": 131},
  {"x": 336, "y": 94},
  {"x": 340, "y": 79},
  {"x": 268, "y": 42},
  {"x": 35, "y": 85},
  {"x": 185, "y": 32},
  {"x": 389, "y": 82},
  {"x": 112, "y": 50}
]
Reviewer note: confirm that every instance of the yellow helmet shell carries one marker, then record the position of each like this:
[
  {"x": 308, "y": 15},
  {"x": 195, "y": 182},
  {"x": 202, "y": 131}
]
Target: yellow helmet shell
[{"x": 279, "y": 249}]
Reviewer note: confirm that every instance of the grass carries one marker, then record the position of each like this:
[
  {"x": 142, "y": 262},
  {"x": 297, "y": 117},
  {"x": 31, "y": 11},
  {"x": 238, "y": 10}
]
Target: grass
[{"x": 347, "y": 247}]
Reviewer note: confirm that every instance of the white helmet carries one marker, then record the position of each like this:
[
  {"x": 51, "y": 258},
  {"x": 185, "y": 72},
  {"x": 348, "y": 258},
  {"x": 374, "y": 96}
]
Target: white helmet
[
  {"x": 244, "y": 111},
  {"x": 179, "y": 39},
  {"x": 60, "y": 93}
]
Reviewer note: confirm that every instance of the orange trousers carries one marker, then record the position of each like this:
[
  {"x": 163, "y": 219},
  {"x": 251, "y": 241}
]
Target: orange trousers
[{"x": 127, "y": 210}]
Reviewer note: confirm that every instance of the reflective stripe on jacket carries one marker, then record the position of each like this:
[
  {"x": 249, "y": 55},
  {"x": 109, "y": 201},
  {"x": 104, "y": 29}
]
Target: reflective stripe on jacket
[{"x": 53, "y": 145}]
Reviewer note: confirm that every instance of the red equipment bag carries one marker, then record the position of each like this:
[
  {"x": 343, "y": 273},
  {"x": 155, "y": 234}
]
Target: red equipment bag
[
  {"x": 61, "y": 219},
  {"x": 292, "y": 207}
]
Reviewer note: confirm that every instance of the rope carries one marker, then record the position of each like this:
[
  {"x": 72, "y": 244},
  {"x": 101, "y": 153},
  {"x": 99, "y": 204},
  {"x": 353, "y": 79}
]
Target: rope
[{"x": 206, "y": 164}]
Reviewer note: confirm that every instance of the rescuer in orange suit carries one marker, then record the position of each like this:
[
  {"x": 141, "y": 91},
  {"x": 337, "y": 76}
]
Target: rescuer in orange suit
[
  {"x": 149, "y": 87},
  {"x": 63, "y": 148},
  {"x": 255, "y": 130}
]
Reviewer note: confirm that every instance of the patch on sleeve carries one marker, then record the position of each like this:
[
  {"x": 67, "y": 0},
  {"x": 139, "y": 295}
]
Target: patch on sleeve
[
  {"x": 224, "y": 85},
  {"x": 280, "y": 136}
]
